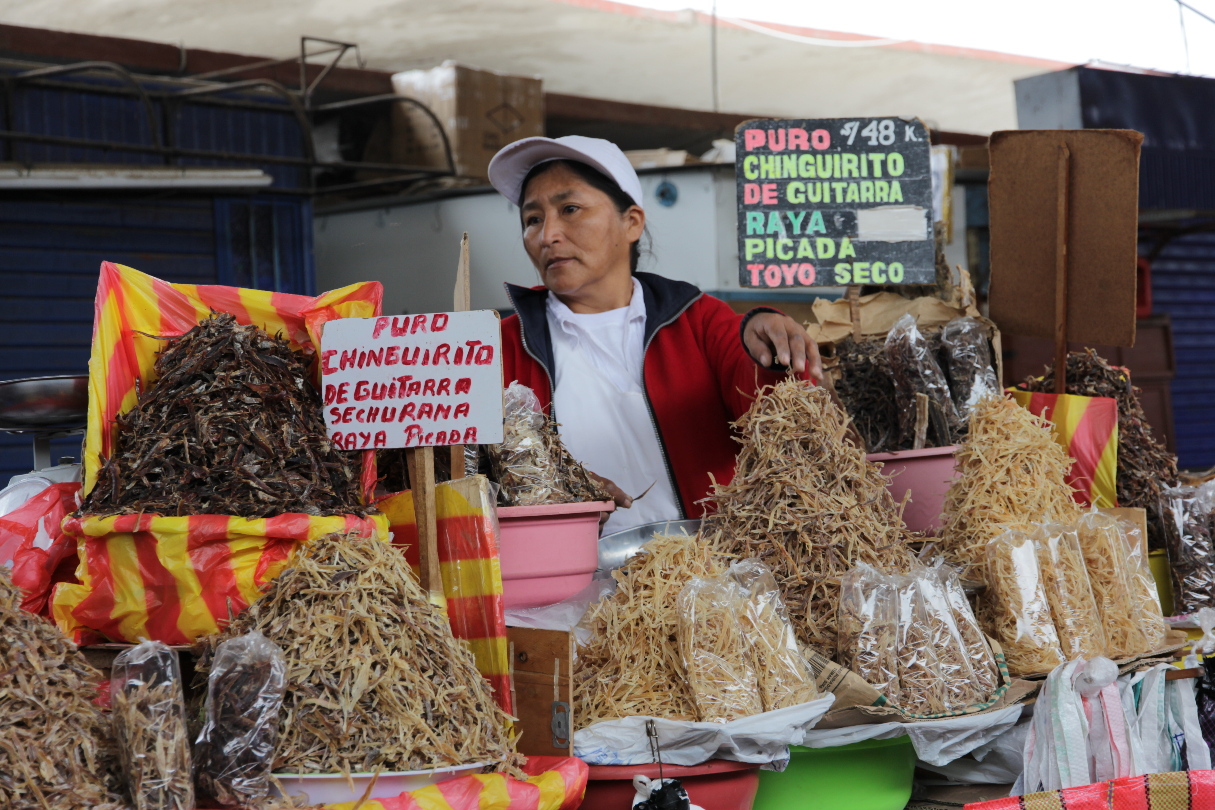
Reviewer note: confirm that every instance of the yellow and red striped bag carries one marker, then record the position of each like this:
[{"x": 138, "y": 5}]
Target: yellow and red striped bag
[
  {"x": 470, "y": 568},
  {"x": 1087, "y": 427},
  {"x": 174, "y": 579}
]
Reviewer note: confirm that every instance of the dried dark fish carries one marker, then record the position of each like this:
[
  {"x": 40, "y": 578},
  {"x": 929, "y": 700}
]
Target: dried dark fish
[
  {"x": 375, "y": 678},
  {"x": 867, "y": 392},
  {"x": 1145, "y": 467},
  {"x": 231, "y": 426},
  {"x": 56, "y": 748},
  {"x": 149, "y": 717},
  {"x": 806, "y": 501}
]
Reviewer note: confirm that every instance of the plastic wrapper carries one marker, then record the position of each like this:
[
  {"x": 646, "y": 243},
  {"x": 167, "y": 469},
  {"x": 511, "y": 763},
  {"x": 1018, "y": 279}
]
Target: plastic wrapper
[
  {"x": 868, "y": 629},
  {"x": 149, "y": 718},
  {"x": 922, "y": 686},
  {"x": 1191, "y": 550},
  {"x": 968, "y": 363},
  {"x": 1107, "y": 558},
  {"x": 1065, "y": 580},
  {"x": 531, "y": 465},
  {"x": 978, "y": 652},
  {"x": 953, "y": 663},
  {"x": 1016, "y": 612},
  {"x": 1205, "y": 698},
  {"x": 915, "y": 370},
  {"x": 1145, "y": 598},
  {"x": 715, "y": 654},
  {"x": 783, "y": 676},
  {"x": 235, "y": 750}
]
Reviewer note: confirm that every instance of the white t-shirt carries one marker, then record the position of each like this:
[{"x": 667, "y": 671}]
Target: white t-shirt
[{"x": 599, "y": 401}]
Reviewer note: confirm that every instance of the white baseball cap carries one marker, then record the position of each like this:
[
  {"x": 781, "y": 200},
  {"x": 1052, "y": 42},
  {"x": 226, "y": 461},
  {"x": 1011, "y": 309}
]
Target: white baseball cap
[{"x": 510, "y": 166}]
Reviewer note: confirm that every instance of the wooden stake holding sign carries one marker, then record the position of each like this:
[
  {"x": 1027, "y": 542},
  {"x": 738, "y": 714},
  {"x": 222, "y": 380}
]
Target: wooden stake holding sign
[
  {"x": 416, "y": 382},
  {"x": 1064, "y": 229},
  {"x": 462, "y": 303}
]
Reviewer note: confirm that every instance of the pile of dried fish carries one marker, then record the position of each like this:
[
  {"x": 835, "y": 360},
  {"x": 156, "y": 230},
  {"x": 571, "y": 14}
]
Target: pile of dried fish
[
  {"x": 1011, "y": 475},
  {"x": 375, "y": 678},
  {"x": 1145, "y": 467},
  {"x": 867, "y": 392},
  {"x": 56, "y": 749},
  {"x": 531, "y": 464},
  {"x": 807, "y": 502},
  {"x": 631, "y": 664},
  {"x": 231, "y": 426}
]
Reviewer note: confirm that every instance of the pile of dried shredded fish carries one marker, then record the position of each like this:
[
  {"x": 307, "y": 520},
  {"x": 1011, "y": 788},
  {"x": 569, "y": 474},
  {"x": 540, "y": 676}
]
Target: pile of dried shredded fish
[
  {"x": 1011, "y": 475},
  {"x": 631, "y": 665},
  {"x": 375, "y": 678},
  {"x": 231, "y": 426},
  {"x": 56, "y": 748},
  {"x": 1145, "y": 467},
  {"x": 531, "y": 465},
  {"x": 806, "y": 501}
]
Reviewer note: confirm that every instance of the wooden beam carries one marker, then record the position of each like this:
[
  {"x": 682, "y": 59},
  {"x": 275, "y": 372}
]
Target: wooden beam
[
  {"x": 1062, "y": 203},
  {"x": 421, "y": 462},
  {"x": 462, "y": 303}
]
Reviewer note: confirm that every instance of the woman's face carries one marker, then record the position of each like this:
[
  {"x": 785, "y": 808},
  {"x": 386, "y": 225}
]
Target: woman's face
[{"x": 574, "y": 234}]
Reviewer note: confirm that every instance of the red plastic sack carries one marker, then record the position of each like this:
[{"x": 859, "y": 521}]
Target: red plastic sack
[
  {"x": 1178, "y": 790},
  {"x": 42, "y": 554},
  {"x": 1087, "y": 427}
]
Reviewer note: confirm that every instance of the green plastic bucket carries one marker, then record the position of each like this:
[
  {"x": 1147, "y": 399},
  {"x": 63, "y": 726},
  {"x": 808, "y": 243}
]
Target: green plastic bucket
[{"x": 868, "y": 775}]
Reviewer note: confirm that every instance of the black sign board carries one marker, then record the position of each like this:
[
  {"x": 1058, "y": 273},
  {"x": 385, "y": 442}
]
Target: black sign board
[{"x": 834, "y": 201}]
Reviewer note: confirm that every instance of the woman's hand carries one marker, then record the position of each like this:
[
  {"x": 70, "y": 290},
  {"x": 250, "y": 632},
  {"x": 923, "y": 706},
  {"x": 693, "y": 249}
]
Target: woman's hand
[{"x": 770, "y": 335}]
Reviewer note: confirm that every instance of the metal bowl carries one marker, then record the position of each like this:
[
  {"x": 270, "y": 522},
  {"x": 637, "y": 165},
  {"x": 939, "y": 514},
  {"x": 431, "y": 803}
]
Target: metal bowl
[
  {"x": 616, "y": 548},
  {"x": 44, "y": 403}
]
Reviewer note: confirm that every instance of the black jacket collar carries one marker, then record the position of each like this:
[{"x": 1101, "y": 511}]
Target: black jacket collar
[{"x": 665, "y": 300}]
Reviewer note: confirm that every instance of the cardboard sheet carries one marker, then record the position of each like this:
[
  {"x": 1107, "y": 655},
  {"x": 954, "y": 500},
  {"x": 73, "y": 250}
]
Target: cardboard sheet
[{"x": 1103, "y": 210}]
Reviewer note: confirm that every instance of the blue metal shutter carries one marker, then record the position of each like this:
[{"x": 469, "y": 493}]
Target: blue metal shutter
[
  {"x": 50, "y": 252},
  {"x": 1183, "y": 285}
]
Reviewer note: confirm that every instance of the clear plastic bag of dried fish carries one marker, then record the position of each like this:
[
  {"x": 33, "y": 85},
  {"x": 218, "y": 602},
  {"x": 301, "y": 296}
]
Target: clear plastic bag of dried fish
[
  {"x": 1190, "y": 542},
  {"x": 915, "y": 370},
  {"x": 868, "y": 629},
  {"x": 232, "y": 425},
  {"x": 531, "y": 465},
  {"x": 978, "y": 652},
  {"x": 972, "y": 376},
  {"x": 783, "y": 676},
  {"x": 959, "y": 685},
  {"x": 235, "y": 750},
  {"x": 1016, "y": 610},
  {"x": 149, "y": 716},
  {"x": 716, "y": 656}
]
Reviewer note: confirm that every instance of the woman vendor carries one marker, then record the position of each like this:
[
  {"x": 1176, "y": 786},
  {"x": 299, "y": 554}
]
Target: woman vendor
[{"x": 643, "y": 373}]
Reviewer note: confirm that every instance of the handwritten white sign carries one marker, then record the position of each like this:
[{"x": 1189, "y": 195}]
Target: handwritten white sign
[{"x": 413, "y": 380}]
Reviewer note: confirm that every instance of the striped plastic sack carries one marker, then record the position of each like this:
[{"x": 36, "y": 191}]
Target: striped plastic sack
[
  {"x": 469, "y": 565},
  {"x": 553, "y": 783},
  {"x": 1087, "y": 427},
  {"x": 1176, "y": 790},
  {"x": 174, "y": 579}
]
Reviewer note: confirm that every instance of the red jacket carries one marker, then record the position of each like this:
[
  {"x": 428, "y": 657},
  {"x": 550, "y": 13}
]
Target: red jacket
[{"x": 697, "y": 375}]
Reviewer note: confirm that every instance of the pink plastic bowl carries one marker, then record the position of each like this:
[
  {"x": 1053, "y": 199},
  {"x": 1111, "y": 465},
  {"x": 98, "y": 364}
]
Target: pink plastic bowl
[
  {"x": 548, "y": 553},
  {"x": 928, "y": 474}
]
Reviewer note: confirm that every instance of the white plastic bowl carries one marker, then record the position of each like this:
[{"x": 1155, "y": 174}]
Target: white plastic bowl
[{"x": 332, "y": 788}]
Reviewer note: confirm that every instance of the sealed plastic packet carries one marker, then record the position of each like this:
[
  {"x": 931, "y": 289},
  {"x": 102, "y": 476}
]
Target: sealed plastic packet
[
  {"x": 523, "y": 463},
  {"x": 978, "y": 651},
  {"x": 1065, "y": 580},
  {"x": 1018, "y": 614},
  {"x": 783, "y": 676},
  {"x": 715, "y": 654},
  {"x": 1190, "y": 546},
  {"x": 923, "y": 687},
  {"x": 868, "y": 629},
  {"x": 958, "y": 683},
  {"x": 235, "y": 750},
  {"x": 1107, "y": 558},
  {"x": 149, "y": 719},
  {"x": 915, "y": 370},
  {"x": 1145, "y": 598},
  {"x": 968, "y": 363}
]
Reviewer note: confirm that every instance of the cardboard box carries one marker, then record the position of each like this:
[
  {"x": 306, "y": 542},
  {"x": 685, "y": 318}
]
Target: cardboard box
[{"x": 480, "y": 111}]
